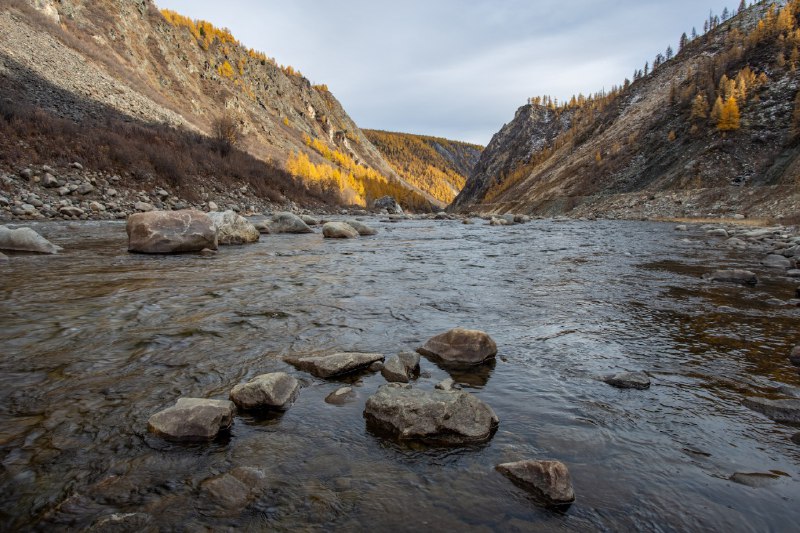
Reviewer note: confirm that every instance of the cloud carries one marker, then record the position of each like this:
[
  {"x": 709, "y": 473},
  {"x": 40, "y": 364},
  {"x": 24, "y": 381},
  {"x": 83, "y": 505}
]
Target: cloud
[{"x": 454, "y": 68}]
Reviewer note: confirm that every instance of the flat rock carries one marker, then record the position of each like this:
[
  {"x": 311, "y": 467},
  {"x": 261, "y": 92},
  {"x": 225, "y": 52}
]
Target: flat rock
[
  {"x": 168, "y": 232},
  {"x": 334, "y": 365},
  {"x": 341, "y": 396},
  {"x": 742, "y": 277},
  {"x": 361, "y": 228},
  {"x": 401, "y": 368},
  {"x": 267, "y": 391},
  {"x": 717, "y": 232},
  {"x": 549, "y": 481},
  {"x": 437, "y": 417},
  {"x": 778, "y": 410},
  {"x": 777, "y": 261},
  {"x": 233, "y": 229},
  {"x": 754, "y": 479},
  {"x": 794, "y": 357},
  {"x": 25, "y": 240},
  {"x": 629, "y": 380},
  {"x": 460, "y": 346},
  {"x": 288, "y": 223},
  {"x": 339, "y": 230},
  {"x": 193, "y": 419}
]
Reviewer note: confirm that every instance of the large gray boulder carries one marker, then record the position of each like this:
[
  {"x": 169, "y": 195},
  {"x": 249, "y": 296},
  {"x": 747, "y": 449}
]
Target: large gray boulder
[
  {"x": 233, "y": 229},
  {"x": 333, "y": 365},
  {"x": 437, "y": 417},
  {"x": 549, "y": 481},
  {"x": 339, "y": 230},
  {"x": 778, "y": 410},
  {"x": 401, "y": 368},
  {"x": 267, "y": 391},
  {"x": 742, "y": 277},
  {"x": 390, "y": 204},
  {"x": 25, "y": 240},
  {"x": 460, "y": 346},
  {"x": 361, "y": 228},
  {"x": 169, "y": 232},
  {"x": 288, "y": 223},
  {"x": 193, "y": 419}
]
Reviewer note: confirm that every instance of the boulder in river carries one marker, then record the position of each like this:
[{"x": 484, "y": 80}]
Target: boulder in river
[
  {"x": 794, "y": 357},
  {"x": 168, "y": 232},
  {"x": 629, "y": 380},
  {"x": 742, "y": 277},
  {"x": 389, "y": 204},
  {"x": 754, "y": 480},
  {"x": 341, "y": 396},
  {"x": 549, "y": 481},
  {"x": 339, "y": 230},
  {"x": 233, "y": 229},
  {"x": 778, "y": 410},
  {"x": 362, "y": 228},
  {"x": 437, "y": 417},
  {"x": 193, "y": 419},
  {"x": 777, "y": 261},
  {"x": 309, "y": 220},
  {"x": 717, "y": 232},
  {"x": 267, "y": 391},
  {"x": 288, "y": 223},
  {"x": 228, "y": 494},
  {"x": 460, "y": 346},
  {"x": 401, "y": 368},
  {"x": 333, "y": 365},
  {"x": 25, "y": 240}
]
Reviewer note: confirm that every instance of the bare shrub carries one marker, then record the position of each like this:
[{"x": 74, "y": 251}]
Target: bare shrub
[{"x": 227, "y": 134}]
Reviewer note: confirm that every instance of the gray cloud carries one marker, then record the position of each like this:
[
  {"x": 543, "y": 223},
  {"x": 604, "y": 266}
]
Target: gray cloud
[{"x": 456, "y": 69}]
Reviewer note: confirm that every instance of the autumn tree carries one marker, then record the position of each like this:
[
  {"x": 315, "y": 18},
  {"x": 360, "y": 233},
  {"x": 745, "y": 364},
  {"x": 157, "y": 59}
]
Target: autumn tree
[
  {"x": 699, "y": 108},
  {"x": 729, "y": 119}
]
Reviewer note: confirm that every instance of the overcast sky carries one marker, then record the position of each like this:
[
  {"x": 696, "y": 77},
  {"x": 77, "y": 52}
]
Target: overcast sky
[{"x": 455, "y": 68}]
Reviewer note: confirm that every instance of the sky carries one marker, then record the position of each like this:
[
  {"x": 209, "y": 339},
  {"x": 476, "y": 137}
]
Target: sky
[{"x": 457, "y": 69}]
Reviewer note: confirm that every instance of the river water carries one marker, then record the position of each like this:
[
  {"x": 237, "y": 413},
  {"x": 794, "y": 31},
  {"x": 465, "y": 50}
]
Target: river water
[{"x": 95, "y": 340}]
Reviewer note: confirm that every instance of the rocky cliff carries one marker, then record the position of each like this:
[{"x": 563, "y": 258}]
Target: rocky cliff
[
  {"x": 110, "y": 64},
  {"x": 712, "y": 131}
]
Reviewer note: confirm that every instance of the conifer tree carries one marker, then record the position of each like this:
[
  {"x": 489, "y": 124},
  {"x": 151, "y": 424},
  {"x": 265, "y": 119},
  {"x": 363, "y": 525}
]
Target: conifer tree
[
  {"x": 716, "y": 111},
  {"x": 730, "y": 118},
  {"x": 683, "y": 42},
  {"x": 670, "y": 53},
  {"x": 699, "y": 107},
  {"x": 742, "y": 6}
]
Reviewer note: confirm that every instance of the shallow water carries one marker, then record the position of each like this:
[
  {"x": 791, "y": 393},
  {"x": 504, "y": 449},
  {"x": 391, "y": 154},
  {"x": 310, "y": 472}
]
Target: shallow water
[{"x": 95, "y": 340}]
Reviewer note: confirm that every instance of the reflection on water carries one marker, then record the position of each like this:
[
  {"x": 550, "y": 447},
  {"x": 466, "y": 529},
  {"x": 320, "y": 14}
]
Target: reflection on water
[{"x": 95, "y": 340}]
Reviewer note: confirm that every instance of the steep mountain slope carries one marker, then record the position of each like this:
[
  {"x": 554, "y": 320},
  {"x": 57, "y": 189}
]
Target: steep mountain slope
[
  {"x": 104, "y": 64},
  {"x": 437, "y": 166},
  {"x": 711, "y": 131}
]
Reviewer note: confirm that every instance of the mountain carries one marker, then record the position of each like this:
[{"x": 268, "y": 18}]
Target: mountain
[
  {"x": 711, "y": 131},
  {"x": 158, "y": 99},
  {"x": 437, "y": 166}
]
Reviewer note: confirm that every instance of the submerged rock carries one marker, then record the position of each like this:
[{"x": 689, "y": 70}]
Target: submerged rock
[
  {"x": 334, "y": 365},
  {"x": 288, "y": 223},
  {"x": 341, "y": 396},
  {"x": 460, "y": 346},
  {"x": 309, "y": 220},
  {"x": 437, "y": 417},
  {"x": 794, "y": 357},
  {"x": 448, "y": 385},
  {"x": 743, "y": 277},
  {"x": 124, "y": 523},
  {"x": 233, "y": 229},
  {"x": 754, "y": 479},
  {"x": 401, "y": 368},
  {"x": 629, "y": 380},
  {"x": 549, "y": 481},
  {"x": 267, "y": 391},
  {"x": 193, "y": 419},
  {"x": 168, "y": 232},
  {"x": 25, "y": 240},
  {"x": 362, "y": 228},
  {"x": 339, "y": 230},
  {"x": 229, "y": 494},
  {"x": 778, "y": 410}
]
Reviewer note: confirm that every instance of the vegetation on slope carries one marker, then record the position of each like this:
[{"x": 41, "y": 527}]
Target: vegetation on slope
[{"x": 437, "y": 166}]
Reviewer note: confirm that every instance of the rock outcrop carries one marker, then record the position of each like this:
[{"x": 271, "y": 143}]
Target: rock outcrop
[
  {"x": 334, "y": 365},
  {"x": 549, "y": 481},
  {"x": 233, "y": 229},
  {"x": 169, "y": 232},
  {"x": 25, "y": 240},
  {"x": 438, "y": 417},
  {"x": 193, "y": 419},
  {"x": 267, "y": 391},
  {"x": 460, "y": 346}
]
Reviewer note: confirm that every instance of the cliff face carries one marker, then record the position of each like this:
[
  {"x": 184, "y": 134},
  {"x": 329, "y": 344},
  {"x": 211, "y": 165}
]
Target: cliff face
[
  {"x": 437, "y": 166},
  {"x": 658, "y": 146},
  {"x": 126, "y": 58}
]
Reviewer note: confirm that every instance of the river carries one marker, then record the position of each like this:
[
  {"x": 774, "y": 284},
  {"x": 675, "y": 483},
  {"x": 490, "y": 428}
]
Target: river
[{"x": 95, "y": 340}]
